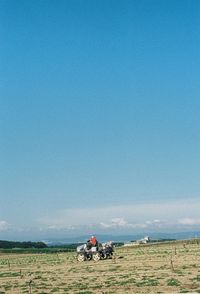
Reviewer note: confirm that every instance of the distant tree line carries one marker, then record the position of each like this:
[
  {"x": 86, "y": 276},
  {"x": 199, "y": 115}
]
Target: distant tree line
[{"x": 13, "y": 244}]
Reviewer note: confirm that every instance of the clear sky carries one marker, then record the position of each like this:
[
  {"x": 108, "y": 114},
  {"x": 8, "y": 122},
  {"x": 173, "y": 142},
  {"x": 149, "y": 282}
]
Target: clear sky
[{"x": 99, "y": 116}]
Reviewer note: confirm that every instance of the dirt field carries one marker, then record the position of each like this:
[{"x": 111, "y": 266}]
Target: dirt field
[{"x": 161, "y": 268}]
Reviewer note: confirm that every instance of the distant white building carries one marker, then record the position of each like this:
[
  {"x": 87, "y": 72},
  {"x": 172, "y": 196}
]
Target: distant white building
[{"x": 145, "y": 240}]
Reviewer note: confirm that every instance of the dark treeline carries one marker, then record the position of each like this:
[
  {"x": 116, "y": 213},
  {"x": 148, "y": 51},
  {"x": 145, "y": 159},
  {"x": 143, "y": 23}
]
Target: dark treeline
[{"x": 13, "y": 244}]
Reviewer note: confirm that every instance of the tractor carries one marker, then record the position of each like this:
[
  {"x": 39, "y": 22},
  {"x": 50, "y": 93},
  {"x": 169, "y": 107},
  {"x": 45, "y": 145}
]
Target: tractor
[{"x": 100, "y": 251}]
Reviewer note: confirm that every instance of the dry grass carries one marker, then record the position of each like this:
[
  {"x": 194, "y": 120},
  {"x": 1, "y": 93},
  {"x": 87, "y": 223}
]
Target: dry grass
[{"x": 161, "y": 268}]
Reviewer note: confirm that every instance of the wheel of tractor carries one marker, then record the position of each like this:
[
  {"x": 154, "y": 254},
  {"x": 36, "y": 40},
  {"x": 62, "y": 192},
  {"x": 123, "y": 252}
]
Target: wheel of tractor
[
  {"x": 81, "y": 257},
  {"x": 96, "y": 256},
  {"x": 104, "y": 256}
]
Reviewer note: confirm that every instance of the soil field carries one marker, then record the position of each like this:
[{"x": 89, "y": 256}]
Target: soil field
[{"x": 160, "y": 268}]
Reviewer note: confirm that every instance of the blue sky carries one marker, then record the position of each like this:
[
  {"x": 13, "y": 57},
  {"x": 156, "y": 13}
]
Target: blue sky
[{"x": 99, "y": 107}]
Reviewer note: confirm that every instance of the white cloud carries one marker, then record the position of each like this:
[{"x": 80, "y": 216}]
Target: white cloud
[
  {"x": 3, "y": 225},
  {"x": 189, "y": 221},
  {"x": 114, "y": 223},
  {"x": 58, "y": 228},
  {"x": 155, "y": 221},
  {"x": 120, "y": 223},
  {"x": 142, "y": 215}
]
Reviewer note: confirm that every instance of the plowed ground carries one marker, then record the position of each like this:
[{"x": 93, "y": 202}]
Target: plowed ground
[{"x": 161, "y": 268}]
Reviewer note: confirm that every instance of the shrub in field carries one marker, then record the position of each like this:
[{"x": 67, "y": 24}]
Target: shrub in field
[
  {"x": 197, "y": 278},
  {"x": 84, "y": 292},
  {"x": 173, "y": 282},
  {"x": 54, "y": 290},
  {"x": 10, "y": 274}
]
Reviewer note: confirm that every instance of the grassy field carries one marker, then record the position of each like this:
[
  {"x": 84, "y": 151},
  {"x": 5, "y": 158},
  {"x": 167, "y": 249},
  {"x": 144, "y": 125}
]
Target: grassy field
[{"x": 161, "y": 268}]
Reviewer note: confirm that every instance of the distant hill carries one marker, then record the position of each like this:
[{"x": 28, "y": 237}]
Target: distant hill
[
  {"x": 123, "y": 238},
  {"x": 13, "y": 244}
]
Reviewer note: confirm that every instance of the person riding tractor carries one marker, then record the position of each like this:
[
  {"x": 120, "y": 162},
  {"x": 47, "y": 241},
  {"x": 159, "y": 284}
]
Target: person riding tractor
[
  {"x": 92, "y": 242},
  {"x": 93, "y": 250}
]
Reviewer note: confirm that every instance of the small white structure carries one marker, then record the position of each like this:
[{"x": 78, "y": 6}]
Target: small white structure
[{"x": 145, "y": 240}]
